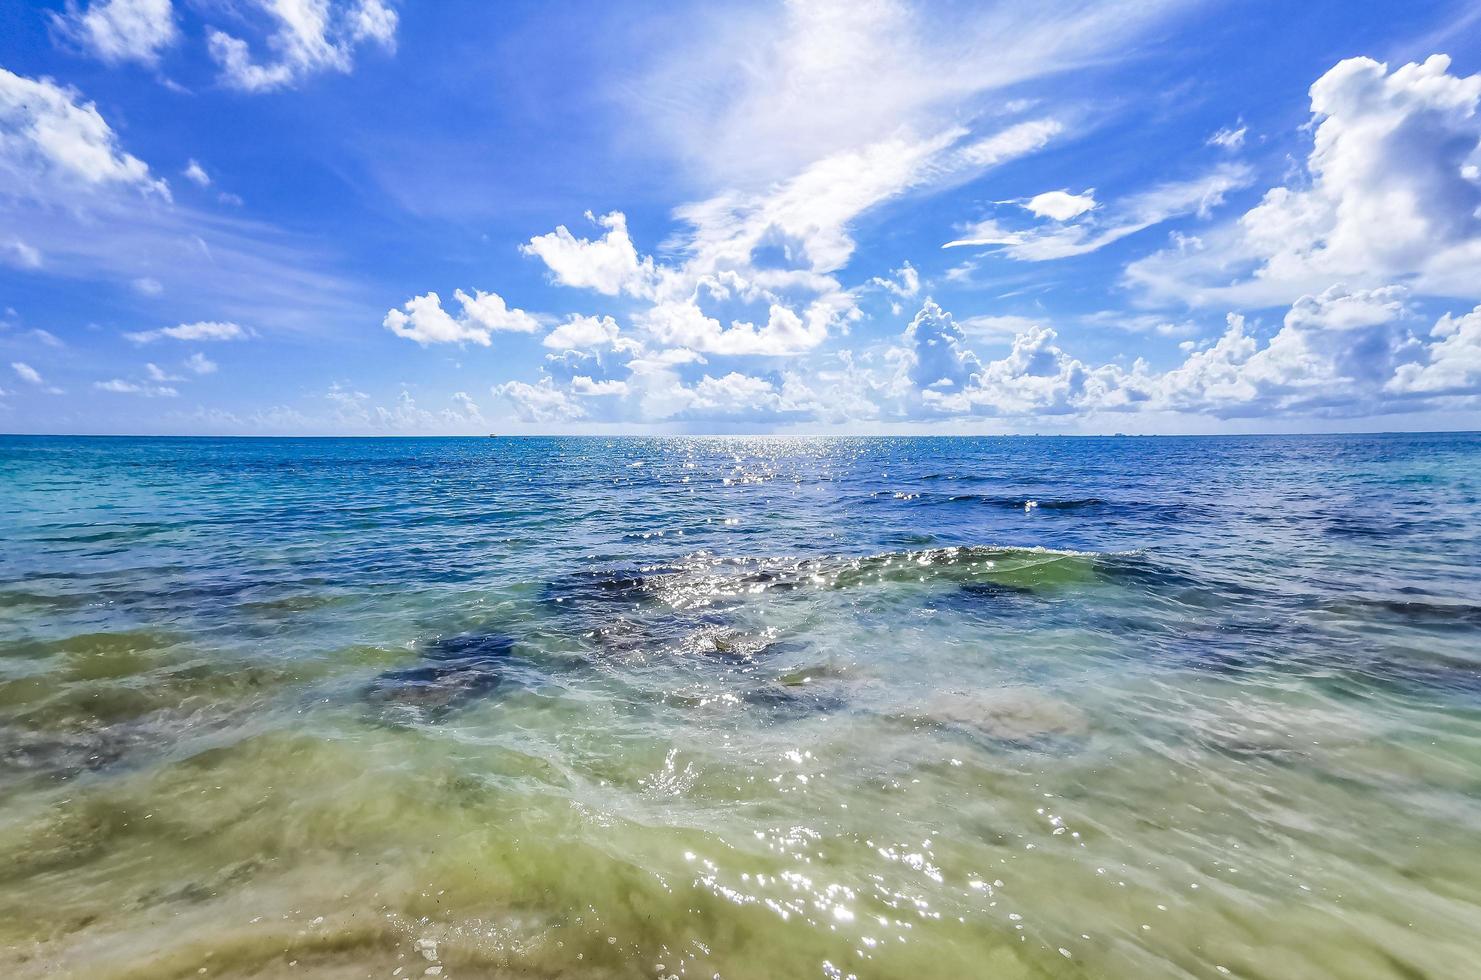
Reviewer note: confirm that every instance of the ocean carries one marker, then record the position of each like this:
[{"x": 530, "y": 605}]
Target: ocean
[{"x": 741, "y": 707}]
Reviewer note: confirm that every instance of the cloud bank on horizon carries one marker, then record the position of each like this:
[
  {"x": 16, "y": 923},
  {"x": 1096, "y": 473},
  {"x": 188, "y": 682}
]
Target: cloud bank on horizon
[{"x": 805, "y": 216}]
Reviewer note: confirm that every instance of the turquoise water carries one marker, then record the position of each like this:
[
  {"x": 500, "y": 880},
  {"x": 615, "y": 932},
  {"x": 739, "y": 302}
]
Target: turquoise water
[{"x": 741, "y": 707}]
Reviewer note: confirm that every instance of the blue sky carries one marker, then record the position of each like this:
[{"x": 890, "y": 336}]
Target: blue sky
[{"x": 368, "y": 216}]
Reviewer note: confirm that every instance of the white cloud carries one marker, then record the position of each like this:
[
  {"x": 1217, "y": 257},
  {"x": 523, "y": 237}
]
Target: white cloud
[
  {"x": 783, "y": 333},
  {"x": 583, "y": 385},
  {"x": 309, "y": 36},
  {"x": 1136, "y": 213},
  {"x": 53, "y": 145},
  {"x": 1148, "y": 323},
  {"x": 1391, "y": 193},
  {"x": 95, "y": 213},
  {"x": 405, "y": 415},
  {"x": 423, "y": 319},
  {"x": 807, "y": 216},
  {"x": 585, "y": 333},
  {"x": 542, "y": 402},
  {"x": 1452, "y": 365},
  {"x": 488, "y": 311},
  {"x": 1228, "y": 139},
  {"x": 1335, "y": 351},
  {"x": 774, "y": 253},
  {"x": 734, "y": 394},
  {"x": 20, "y": 254},
  {"x": 199, "y": 363},
  {"x": 147, "y": 286},
  {"x": 609, "y": 264},
  {"x": 937, "y": 356},
  {"x": 752, "y": 97},
  {"x": 197, "y": 174},
  {"x": 119, "y": 386},
  {"x": 121, "y": 30},
  {"x": 1036, "y": 377},
  {"x": 467, "y": 406},
  {"x": 32, "y": 376},
  {"x": 996, "y": 327},
  {"x": 903, "y": 282},
  {"x": 878, "y": 99},
  {"x": 203, "y": 330},
  {"x": 157, "y": 373},
  {"x": 1061, "y": 205},
  {"x": 1343, "y": 353}
]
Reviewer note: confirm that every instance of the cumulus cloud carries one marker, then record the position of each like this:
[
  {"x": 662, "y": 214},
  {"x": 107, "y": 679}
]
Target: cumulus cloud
[
  {"x": 583, "y": 385},
  {"x": 937, "y": 356},
  {"x": 53, "y": 145},
  {"x": 202, "y": 330},
  {"x": 1391, "y": 193},
  {"x": 199, "y": 363},
  {"x": 1335, "y": 352},
  {"x": 1340, "y": 353},
  {"x": 609, "y": 264},
  {"x": 903, "y": 282},
  {"x": 879, "y": 101},
  {"x": 1451, "y": 365},
  {"x": 120, "y": 30},
  {"x": 423, "y": 319},
  {"x": 542, "y": 402},
  {"x": 467, "y": 406},
  {"x": 1061, "y": 205},
  {"x": 773, "y": 254},
  {"x": 1036, "y": 377},
  {"x": 308, "y": 37},
  {"x": 587, "y": 332},
  {"x": 684, "y": 324}
]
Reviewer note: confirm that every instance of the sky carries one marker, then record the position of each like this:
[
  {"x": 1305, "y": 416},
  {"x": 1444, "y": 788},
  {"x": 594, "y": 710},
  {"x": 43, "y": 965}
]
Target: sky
[{"x": 360, "y": 217}]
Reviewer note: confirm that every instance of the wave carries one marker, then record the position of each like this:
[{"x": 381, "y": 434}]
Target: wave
[
  {"x": 1021, "y": 503},
  {"x": 703, "y": 578}
]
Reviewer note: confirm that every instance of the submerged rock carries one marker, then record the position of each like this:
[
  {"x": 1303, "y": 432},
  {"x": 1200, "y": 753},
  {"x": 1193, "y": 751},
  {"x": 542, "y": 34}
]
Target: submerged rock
[
  {"x": 1010, "y": 714},
  {"x": 454, "y": 671}
]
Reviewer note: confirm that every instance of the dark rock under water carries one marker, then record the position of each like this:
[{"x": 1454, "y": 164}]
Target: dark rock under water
[{"x": 454, "y": 671}]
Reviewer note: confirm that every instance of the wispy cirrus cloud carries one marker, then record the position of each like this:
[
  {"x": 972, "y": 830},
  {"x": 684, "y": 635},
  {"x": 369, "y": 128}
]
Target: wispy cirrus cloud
[
  {"x": 202, "y": 330},
  {"x": 65, "y": 173},
  {"x": 1064, "y": 237}
]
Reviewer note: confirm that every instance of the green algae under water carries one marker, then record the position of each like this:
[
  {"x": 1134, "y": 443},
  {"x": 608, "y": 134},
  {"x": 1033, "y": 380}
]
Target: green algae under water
[{"x": 757, "y": 708}]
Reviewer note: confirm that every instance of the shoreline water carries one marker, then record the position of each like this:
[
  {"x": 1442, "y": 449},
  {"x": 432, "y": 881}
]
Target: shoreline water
[{"x": 754, "y": 708}]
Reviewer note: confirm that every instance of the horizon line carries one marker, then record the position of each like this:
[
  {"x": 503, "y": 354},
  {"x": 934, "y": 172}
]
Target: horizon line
[{"x": 752, "y": 435}]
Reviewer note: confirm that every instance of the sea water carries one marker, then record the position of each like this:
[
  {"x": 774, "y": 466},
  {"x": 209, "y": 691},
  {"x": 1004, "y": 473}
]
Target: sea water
[{"x": 741, "y": 707}]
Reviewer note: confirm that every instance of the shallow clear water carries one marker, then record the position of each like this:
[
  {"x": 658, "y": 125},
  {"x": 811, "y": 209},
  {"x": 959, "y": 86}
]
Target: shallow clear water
[{"x": 741, "y": 707}]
